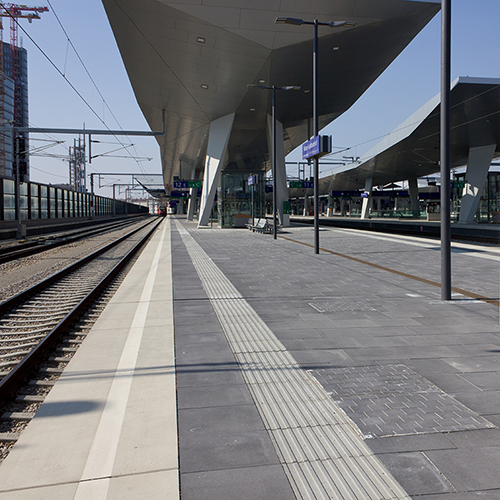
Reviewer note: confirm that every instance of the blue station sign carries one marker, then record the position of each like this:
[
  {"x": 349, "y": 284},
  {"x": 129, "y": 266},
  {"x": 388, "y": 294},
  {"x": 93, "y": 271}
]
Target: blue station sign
[
  {"x": 318, "y": 146},
  {"x": 253, "y": 179}
]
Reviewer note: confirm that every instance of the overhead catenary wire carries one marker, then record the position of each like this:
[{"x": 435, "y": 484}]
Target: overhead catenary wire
[
  {"x": 106, "y": 105},
  {"x": 54, "y": 65}
]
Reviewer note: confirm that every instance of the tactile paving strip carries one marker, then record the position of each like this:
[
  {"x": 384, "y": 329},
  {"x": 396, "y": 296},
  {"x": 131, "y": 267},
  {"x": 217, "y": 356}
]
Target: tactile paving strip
[
  {"x": 393, "y": 400},
  {"x": 321, "y": 450}
]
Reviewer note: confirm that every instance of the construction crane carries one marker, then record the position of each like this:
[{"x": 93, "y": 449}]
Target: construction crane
[{"x": 14, "y": 12}]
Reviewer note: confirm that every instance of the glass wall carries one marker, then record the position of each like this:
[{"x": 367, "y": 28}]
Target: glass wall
[
  {"x": 39, "y": 201},
  {"x": 52, "y": 198},
  {"x": 23, "y": 200},
  {"x": 489, "y": 203},
  {"x": 44, "y": 202},
  {"x": 9, "y": 199},
  {"x": 34, "y": 201},
  {"x": 235, "y": 200}
]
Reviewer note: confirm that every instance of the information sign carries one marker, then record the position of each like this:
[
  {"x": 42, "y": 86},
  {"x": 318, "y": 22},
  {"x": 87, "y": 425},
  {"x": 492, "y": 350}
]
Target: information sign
[
  {"x": 301, "y": 184},
  {"x": 252, "y": 179},
  {"x": 187, "y": 184},
  {"x": 180, "y": 185},
  {"x": 318, "y": 146}
]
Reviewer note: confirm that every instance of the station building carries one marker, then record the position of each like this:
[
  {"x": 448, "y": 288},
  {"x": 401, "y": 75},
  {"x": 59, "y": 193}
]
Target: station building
[{"x": 191, "y": 63}]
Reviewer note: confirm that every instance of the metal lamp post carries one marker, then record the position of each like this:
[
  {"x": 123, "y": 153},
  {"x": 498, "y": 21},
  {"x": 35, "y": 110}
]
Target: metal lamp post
[
  {"x": 445, "y": 162},
  {"x": 274, "y": 89},
  {"x": 315, "y": 23}
]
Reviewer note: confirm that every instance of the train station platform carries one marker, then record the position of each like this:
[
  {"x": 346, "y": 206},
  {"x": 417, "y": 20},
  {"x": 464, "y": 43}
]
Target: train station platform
[
  {"x": 340, "y": 375},
  {"x": 412, "y": 227}
]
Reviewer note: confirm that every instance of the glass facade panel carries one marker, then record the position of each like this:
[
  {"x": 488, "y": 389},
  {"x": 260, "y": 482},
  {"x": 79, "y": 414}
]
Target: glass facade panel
[
  {"x": 9, "y": 186},
  {"x": 9, "y": 214},
  {"x": 44, "y": 202},
  {"x": 60, "y": 203},
  {"x": 235, "y": 199},
  {"x": 52, "y": 192},
  {"x": 35, "y": 213}
]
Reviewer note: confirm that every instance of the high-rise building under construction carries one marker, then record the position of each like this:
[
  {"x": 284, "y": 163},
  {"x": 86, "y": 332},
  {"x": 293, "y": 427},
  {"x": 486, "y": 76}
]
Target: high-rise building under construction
[{"x": 14, "y": 110}]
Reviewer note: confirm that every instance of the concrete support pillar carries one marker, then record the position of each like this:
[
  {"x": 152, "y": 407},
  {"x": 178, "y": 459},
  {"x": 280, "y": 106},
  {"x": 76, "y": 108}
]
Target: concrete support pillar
[
  {"x": 477, "y": 169},
  {"x": 218, "y": 138},
  {"x": 413, "y": 188},
  {"x": 280, "y": 181},
  {"x": 192, "y": 197},
  {"x": 365, "y": 212},
  {"x": 329, "y": 207},
  {"x": 306, "y": 205},
  {"x": 342, "y": 207}
]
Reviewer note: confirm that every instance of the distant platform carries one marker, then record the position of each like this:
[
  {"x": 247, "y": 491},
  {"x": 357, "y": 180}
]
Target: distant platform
[{"x": 488, "y": 233}]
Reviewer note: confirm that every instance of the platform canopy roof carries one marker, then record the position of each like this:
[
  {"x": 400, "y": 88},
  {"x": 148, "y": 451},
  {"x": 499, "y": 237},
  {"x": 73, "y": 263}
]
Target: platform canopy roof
[
  {"x": 152, "y": 183},
  {"x": 412, "y": 150},
  {"x": 193, "y": 60}
]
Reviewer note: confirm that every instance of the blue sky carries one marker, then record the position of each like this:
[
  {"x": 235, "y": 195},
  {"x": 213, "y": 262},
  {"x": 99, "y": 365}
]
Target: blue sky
[{"x": 412, "y": 79}]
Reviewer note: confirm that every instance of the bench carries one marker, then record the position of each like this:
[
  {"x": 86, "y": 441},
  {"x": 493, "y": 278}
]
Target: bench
[{"x": 261, "y": 226}]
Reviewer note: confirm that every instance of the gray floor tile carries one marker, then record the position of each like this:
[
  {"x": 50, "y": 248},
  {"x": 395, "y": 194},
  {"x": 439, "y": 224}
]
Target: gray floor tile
[
  {"x": 469, "y": 469},
  {"x": 416, "y": 473},
  {"x": 223, "y": 437},
  {"x": 249, "y": 483},
  {"x": 213, "y": 396},
  {"x": 475, "y": 439},
  {"x": 401, "y": 444}
]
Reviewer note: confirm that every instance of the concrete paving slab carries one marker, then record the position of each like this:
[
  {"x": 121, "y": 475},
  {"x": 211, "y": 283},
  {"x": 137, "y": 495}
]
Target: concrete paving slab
[
  {"x": 469, "y": 469},
  {"x": 223, "y": 375},
  {"x": 485, "y": 402},
  {"x": 210, "y": 396},
  {"x": 247, "y": 483},
  {"x": 476, "y": 495},
  {"x": 52, "y": 492},
  {"x": 157, "y": 485},
  {"x": 419, "y": 442},
  {"x": 216, "y": 438},
  {"x": 486, "y": 381},
  {"x": 417, "y": 474}
]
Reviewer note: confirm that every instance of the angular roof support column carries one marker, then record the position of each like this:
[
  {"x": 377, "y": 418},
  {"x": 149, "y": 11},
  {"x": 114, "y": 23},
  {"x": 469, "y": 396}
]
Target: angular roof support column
[
  {"x": 365, "y": 208},
  {"x": 281, "y": 185},
  {"x": 413, "y": 188},
  {"x": 192, "y": 197},
  {"x": 218, "y": 139},
  {"x": 477, "y": 169}
]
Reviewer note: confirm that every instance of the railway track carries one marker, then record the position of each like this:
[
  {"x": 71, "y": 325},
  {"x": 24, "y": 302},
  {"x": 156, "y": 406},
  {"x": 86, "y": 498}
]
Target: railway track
[
  {"x": 41, "y": 328},
  {"x": 11, "y": 253}
]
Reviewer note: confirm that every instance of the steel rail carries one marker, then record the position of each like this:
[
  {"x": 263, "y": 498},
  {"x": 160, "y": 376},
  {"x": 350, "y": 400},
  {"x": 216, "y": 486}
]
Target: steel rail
[
  {"x": 16, "y": 377},
  {"x": 32, "y": 248},
  {"x": 22, "y": 296}
]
